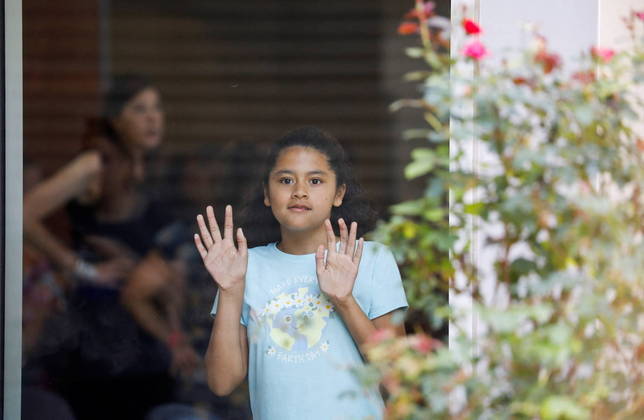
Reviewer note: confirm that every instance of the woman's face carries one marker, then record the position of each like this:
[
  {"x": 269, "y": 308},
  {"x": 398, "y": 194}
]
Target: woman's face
[{"x": 141, "y": 122}]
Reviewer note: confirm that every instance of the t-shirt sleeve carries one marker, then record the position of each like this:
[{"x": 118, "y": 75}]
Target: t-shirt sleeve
[
  {"x": 387, "y": 289},
  {"x": 244, "y": 314}
]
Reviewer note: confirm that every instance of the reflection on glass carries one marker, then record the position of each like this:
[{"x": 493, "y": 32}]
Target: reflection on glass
[{"x": 116, "y": 300}]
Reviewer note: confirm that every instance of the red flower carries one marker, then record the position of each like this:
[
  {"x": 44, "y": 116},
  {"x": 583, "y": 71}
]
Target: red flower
[
  {"x": 408, "y": 28},
  {"x": 640, "y": 351},
  {"x": 475, "y": 50},
  {"x": 603, "y": 54},
  {"x": 428, "y": 10},
  {"x": 471, "y": 27},
  {"x": 549, "y": 61},
  {"x": 639, "y": 15},
  {"x": 520, "y": 81},
  {"x": 584, "y": 77}
]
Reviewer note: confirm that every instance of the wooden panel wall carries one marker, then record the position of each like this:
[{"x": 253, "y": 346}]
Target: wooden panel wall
[
  {"x": 231, "y": 73},
  {"x": 250, "y": 71},
  {"x": 61, "y": 76}
]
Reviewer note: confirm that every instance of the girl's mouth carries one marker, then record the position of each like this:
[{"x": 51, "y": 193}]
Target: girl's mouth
[{"x": 299, "y": 208}]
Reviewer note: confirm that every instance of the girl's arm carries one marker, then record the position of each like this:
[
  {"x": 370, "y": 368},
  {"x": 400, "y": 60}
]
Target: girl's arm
[
  {"x": 68, "y": 183},
  {"x": 227, "y": 354},
  {"x": 337, "y": 276}
]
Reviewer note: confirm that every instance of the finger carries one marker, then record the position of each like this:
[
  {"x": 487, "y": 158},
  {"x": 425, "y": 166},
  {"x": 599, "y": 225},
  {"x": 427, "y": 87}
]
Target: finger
[
  {"x": 214, "y": 226},
  {"x": 319, "y": 259},
  {"x": 228, "y": 224},
  {"x": 200, "y": 247},
  {"x": 242, "y": 245},
  {"x": 330, "y": 237},
  {"x": 351, "y": 245},
  {"x": 343, "y": 236},
  {"x": 203, "y": 230},
  {"x": 358, "y": 255}
]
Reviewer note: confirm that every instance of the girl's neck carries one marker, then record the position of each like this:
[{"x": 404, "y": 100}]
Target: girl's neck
[{"x": 302, "y": 243}]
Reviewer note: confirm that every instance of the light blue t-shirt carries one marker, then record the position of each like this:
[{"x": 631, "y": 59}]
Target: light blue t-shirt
[{"x": 299, "y": 349}]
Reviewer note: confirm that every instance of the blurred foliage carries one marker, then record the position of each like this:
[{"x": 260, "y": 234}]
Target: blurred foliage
[{"x": 556, "y": 205}]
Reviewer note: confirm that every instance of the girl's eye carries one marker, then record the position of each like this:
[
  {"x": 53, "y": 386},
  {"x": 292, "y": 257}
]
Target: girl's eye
[
  {"x": 287, "y": 181},
  {"x": 316, "y": 181}
]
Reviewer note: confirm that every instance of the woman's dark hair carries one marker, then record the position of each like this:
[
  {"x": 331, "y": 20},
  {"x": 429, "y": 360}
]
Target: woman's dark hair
[
  {"x": 122, "y": 89},
  {"x": 100, "y": 135},
  {"x": 261, "y": 227}
]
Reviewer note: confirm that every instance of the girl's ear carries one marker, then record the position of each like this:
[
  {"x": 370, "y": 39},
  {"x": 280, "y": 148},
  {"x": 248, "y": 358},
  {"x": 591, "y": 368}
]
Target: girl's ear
[
  {"x": 339, "y": 195},
  {"x": 267, "y": 202}
]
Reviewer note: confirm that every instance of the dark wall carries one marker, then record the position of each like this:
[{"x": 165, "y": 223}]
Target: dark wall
[{"x": 250, "y": 71}]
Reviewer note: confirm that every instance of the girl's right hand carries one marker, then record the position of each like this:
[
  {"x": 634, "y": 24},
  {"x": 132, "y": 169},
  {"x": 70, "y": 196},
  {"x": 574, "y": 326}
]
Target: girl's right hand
[{"x": 225, "y": 262}]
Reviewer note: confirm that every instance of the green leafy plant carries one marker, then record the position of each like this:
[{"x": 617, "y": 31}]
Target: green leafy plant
[{"x": 556, "y": 205}]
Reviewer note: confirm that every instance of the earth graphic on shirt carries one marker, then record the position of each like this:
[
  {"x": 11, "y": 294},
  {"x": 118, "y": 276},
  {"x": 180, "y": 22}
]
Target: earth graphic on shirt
[{"x": 296, "y": 320}]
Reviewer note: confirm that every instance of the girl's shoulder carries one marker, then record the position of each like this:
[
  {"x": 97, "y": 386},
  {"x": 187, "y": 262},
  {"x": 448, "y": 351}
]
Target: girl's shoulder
[{"x": 374, "y": 249}]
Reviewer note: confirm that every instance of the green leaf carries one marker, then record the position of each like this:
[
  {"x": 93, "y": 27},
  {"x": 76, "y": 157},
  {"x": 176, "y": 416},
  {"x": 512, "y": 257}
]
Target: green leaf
[
  {"x": 418, "y": 133},
  {"x": 522, "y": 266},
  {"x": 414, "y": 52},
  {"x": 474, "y": 208},
  {"x": 423, "y": 153},
  {"x": 434, "y": 215},
  {"x": 416, "y": 76},
  {"x": 408, "y": 208},
  {"x": 418, "y": 168},
  {"x": 560, "y": 407}
]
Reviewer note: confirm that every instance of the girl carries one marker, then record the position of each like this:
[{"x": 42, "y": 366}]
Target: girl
[{"x": 307, "y": 300}]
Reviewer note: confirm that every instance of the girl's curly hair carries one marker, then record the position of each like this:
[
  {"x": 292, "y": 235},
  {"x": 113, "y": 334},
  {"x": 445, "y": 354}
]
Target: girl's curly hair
[{"x": 258, "y": 222}]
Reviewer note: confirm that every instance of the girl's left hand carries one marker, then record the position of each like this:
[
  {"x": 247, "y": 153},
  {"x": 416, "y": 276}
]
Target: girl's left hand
[{"x": 338, "y": 275}]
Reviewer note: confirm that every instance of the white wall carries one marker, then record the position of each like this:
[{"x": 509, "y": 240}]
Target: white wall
[{"x": 570, "y": 27}]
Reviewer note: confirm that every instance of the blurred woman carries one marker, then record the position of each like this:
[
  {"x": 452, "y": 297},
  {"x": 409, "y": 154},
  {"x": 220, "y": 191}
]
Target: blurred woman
[{"x": 124, "y": 319}]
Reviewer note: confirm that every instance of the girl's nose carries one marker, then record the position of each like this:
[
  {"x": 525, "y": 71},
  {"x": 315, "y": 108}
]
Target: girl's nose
[{"x": 299, "y": 191}]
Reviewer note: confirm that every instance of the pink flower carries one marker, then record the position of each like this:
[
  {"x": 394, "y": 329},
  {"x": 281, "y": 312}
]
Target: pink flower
[
  {"x": 381, "y": 335},
  {"x": 475, "y": 50},
  {"x": 423, "y": 344},
  {"x": 604, "y": 54},
  {"x": 471, "y": 27},
  {"x": 428, "y": 10},
  {"x": 408, "y": 28},
  {"x": 639, "y": 15}
]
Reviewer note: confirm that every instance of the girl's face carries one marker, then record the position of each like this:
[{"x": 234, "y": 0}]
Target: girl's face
[
  {"x": 141, "y": 122},
  {"x": 302, "y": 189}
]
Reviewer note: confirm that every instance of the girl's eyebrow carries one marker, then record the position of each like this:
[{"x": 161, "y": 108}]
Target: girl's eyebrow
[{"x": 290, "y": 172}]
